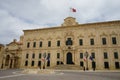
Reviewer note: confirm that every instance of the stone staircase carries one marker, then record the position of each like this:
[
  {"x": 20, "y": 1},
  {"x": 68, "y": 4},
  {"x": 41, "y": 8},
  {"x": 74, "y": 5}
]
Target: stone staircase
[{"x": 66, "y": 67}]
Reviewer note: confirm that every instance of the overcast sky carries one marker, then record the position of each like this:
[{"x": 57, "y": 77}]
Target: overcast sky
[{"x": 18, "y": 15}]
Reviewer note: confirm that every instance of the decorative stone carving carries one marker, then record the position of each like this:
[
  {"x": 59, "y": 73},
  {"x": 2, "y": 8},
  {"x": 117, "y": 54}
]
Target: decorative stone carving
[
  {"x": 113, "y": 33},
  {"x": 41, "y": 38},
  {"x": 91, "y": 35},
  {"x": 103, "y": 34},
  {"x": 69, "y": 34},
  {"x": 69, "y": 21},
  {"x": 49, "y": 38},
  {"x": 58, "y": 37},
  {"x": 80, "y": 36}
]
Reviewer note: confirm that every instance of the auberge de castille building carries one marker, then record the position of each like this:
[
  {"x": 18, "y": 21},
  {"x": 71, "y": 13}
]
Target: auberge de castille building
[{"x": 90, "y": 45}]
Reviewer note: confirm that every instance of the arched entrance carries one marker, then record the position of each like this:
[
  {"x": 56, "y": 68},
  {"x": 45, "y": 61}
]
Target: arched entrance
[
  {"x": 69, "y": 58},
  {"x": 7, "y": 60}
]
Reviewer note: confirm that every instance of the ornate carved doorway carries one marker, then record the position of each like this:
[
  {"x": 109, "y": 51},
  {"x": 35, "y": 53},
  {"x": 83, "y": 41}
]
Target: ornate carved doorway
[{"x": 69, "y": 58}]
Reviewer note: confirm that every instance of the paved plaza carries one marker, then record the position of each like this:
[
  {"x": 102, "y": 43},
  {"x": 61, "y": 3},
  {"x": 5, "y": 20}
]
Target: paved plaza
[{"x": 15, "y": 74}]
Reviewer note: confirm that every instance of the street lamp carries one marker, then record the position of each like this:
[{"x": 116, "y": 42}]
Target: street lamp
[{"x": 86, "y": 56}]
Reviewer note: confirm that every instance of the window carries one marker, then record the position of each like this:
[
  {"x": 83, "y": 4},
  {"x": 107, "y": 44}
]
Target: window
[
  {"x": 48, "y": 54},
  {"x": 34, "y": 44},
  {"x": 44, "y": 55},
  {"x": 116, "y": 55},
  {"x": 26, "y": 63},
  {"x": 33, "y": 55},
  {"x": 40, "y": 45},
  {"x": 81, "y": 63},
  {"x": 48, "y": 57},
  {"x": 39, "y": 63},
  {"x": 28, "y": 44},
  {"x": 48, "y": 63},
  {"x": 106, "y": 65},
  {"x": 69, "y": 41},
  {"x": 58, "y": 55},
  {"x": 105, "y": 55},
  {"x": 27, "y": 55},
  {"x": 39, "y": 55},
  {"x": 80, "y": 42},
  {"x": 58, "y": 43},
  {"x": 49, "y": 43},
  {"x": 114, "y": 40},
  {"x": 81, "y": 55},
  {"x": 117, "y": 66},
  {"x": 91, "y": 41},
  {"x": 104, "y": 41},
  {"x": 93, "y": 55},
  {"x": 32, "y": 64}
]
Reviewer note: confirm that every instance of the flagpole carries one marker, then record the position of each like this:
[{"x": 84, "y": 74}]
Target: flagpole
[
  {"x": 69, "y": 12},
  {"x": 71, "y": 9}
]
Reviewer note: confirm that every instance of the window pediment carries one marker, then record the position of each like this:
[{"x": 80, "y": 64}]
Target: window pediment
[
  {"x": 91, "y": 35},
  {"x": 41, "y": 38},
  {"x": 113, "y": 34},
  {"x": 103, "y": 34},
  {"x": 58, "y": 38},
  {"x": 80, "y": 36},
  {"x": 49, "y": 38}
]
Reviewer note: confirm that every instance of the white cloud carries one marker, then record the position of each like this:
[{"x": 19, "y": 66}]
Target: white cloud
[{"x": 17, "y": 15}]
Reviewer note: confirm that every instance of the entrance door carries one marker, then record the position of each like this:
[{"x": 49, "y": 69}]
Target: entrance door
[{"x": 69, "y": 58}]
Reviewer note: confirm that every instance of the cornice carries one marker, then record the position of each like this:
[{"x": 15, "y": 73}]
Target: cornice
[{"x": 97, "y": 24}]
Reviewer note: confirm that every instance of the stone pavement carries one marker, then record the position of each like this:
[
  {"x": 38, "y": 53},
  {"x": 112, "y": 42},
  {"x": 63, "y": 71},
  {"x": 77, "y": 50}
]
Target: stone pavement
[
  {"x": 62, "y": 75},
  {"x": 90, "y": 70}
]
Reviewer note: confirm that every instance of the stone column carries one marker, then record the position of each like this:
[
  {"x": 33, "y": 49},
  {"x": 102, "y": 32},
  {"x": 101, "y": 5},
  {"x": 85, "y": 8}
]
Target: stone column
[
  {"x": 9, "y": 63},
  {"x": 74, "y": 61},
  {"x": 3, "y": 62},
  {"x": 13, "y": 60},
  {"x": 64, "y": 57}
]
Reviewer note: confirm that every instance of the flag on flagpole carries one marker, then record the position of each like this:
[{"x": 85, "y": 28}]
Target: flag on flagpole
[
  {"x": 48, "y": 58},
  {"x": 44, "y": 55},
  {"x": 84, "y": 58},
  {"x": 73, "y": 9},
  {"x": 91, "y": 58},
  {"x": 43, "y": 59}
]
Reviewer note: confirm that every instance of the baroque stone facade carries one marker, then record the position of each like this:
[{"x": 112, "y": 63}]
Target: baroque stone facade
[
  {"x": 85, "y": 45},
  {"x": 11, "y": 57},
  {"x": 1, "y": 55}
]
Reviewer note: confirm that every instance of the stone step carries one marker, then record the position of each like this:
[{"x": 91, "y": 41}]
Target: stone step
[{"x": 68, "y": 67}]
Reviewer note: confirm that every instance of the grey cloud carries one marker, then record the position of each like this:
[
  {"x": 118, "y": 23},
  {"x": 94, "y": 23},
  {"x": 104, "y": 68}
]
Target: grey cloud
[{"x": 17, "y": 15}]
